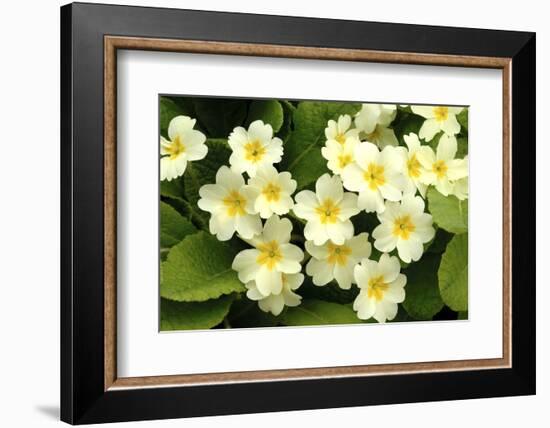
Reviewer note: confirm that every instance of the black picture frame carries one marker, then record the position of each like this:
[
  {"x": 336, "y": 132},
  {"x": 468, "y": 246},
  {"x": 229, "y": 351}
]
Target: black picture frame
[{"x": 83, "y": 396}]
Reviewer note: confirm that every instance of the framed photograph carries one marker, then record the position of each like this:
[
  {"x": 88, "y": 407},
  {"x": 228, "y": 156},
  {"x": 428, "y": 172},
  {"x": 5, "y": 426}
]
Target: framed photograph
[{"x": 266, "y": 213}]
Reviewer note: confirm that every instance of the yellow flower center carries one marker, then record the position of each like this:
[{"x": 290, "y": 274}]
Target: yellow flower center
[
  {"x": 377, "y": 287},
  {"x": 441, "y": 113},
  {"x": 338, "y": 254},
  {"x": 374, "y": 175},
  {"x": 235, "y": 203},
  {"x": 254, "y": 151},
  {"x": 344, "y": 160},
  {"x": 328, "y": 212},
  {"x": 270, "y": 255},
  {"x": 440, "y": 168},
  {"x": 341, "y": 138},
  {"x": 176, "y": 148},
  {"x": 413, "y": 167},
  {"x": 403, "y": 227},
  {"x": 272, "y": 192}
]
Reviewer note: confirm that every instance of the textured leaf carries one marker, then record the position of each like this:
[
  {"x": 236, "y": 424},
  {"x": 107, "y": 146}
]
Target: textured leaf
[
  {"x": 462, "y": 119},
  {"x": 453, "y": 274},
  {"x": 173, "y": 189},
  {"x": 193, "y": 316},
  {"x": 461, "y": 147},
  {"x": 330, "y": 292},
  {"x": 173, "y": 227},
  {"x": 405, "y": 123},
  {"x": 318, "y": 312},
  {"x": 303, "y": 150},
  {"x": 286, "y": 127},
  {"x": 199, "y": 269},
  {"x": 463, "y": 315},
  {"x": 220, "y": 116},
  {"x": 246, "y": 313},
  {"x": 422, "y": 299},
  {"x": 401, "y": 316},
  {"x": 204, "y": 171},
  {"x": 448, "y": 212},
  {"x": 268, "y": 111}
]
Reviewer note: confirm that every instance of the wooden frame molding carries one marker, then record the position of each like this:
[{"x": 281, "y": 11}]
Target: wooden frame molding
[{"x": 113, "y": 43}]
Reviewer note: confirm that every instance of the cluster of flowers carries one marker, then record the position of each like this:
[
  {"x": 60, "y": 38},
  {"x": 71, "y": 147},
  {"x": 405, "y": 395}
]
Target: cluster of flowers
[{"x": 370, "y": 172}]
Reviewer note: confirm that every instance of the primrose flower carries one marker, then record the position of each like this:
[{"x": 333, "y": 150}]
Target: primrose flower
[
  {"x": 381, "y": 288},
  {"x": 272, "y": 257},
  {"x": 372, "y": 115},
  {"x": 340, "y": 131},
  {"x": 413, "y": 170},
  {"x": 231, "y": 204},
  {"x": 330, "y": 261},
  {"x": 438, "y": 118},
  {"x": 375, "y": 175},
  {"x": 460, "y": 188},
  {"x": 441, "y": 168},
  {"x": 272, "y": 190},
  {"x": 327, "y": 211},
  {"x": 254, "y": 148},
  {"x": 184, "y": 144},
  {"x": 406, "y": 226},
  {"x": 275, "y": 303},
  {"x": 339, "y": 155},
  {"x": 373, "y": 120}
]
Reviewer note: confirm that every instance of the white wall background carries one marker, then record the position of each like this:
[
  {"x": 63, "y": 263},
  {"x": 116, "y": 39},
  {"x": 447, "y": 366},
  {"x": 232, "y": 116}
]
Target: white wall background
[{"x": 29, "y": 212}]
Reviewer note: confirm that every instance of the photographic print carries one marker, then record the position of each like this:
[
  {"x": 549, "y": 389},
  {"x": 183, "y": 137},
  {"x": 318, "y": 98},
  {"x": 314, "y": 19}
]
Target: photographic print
[{"x": 277, "y": 212}]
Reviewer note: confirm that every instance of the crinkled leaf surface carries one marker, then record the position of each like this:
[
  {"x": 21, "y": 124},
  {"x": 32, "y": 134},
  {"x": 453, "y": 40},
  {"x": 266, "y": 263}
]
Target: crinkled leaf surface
[
  {"x": 199, "y": 269},
  {"x": 173, "y": 227},
  {"x": 318, "y": 312},
  {"x": 193, "y": 316},
  {"x": 453, "y": 274},
  {"x": 268, "y": 111},
  {"x": 422, "y": 298},
  {"x": 448, "y": 212}
]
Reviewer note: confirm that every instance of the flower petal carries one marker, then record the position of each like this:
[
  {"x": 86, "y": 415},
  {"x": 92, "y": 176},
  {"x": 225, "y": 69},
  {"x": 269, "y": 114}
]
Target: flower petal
[
  {"x": 269, "y": 281},
  {"x": 179, "y": 125},
  {"x": 320, "y": 271},
  {"x": 429, "y": 128}
]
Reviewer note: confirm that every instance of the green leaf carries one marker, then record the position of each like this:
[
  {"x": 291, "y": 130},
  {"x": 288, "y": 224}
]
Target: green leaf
[
  {"x": 286, "y": 127},
  {"x": 463, "y": 315},
  {"x": 318, "y": 312},
  {"x": 173, "y": 189},
  {"x": 401, "y": 316},
  {"x": 462, "y": 119},
  {"x": 461, "y": 147},
  {"x": 193, "y": 316},
  {"x": 220, "y": 116},
  {"x": 268, "y": 111},
  {"x": 405, "y": 123},
  {"x": 173, "y": 227},
  {"x": 246, "y": 313},
  {"x": 448, "y": 212},
  {"x": 303, "y": 150},
  {"x": 453, "y": 274},
  {"x": 199, "y": 269},
  {"x": 330, "y": 292},
  {"x": 422, "y": 299},
  {"x": 204, "y": 171}
]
